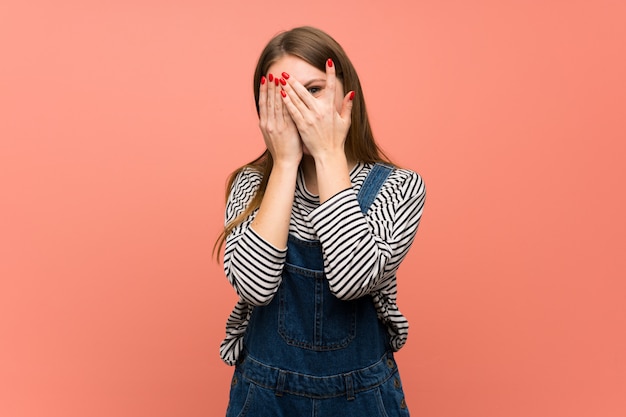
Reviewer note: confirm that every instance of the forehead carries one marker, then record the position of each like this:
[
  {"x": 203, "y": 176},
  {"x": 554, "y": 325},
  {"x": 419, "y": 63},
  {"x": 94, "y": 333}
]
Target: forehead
[{"x": 297, "y": 67}]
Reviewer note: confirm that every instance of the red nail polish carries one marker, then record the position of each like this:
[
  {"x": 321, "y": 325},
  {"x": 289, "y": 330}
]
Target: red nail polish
[
  {"x": 263, "y": 80},
  {"x": 276, "y": 80},
  {"x": 283, "y": 82},
  {"x": 329, "y": 62},
  {"x": 285, "y": 76},
  {"x": 352, "y": 95},
  {"x": 282, "y": 93},
  {"x": 271, "y": 77}
]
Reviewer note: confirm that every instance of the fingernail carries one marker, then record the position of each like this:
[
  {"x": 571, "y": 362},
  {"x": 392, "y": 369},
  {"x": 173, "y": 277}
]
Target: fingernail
[
  {"x": 271, "y": 77},
  {"x": 329, "y": 62},
  {"x": 276, "y": 80},
  {"x": 282, "y": 93},
  {"x": 283, "y": 82},
  {"x": 285, "y": 76},
  {"x": 263, "y": 80},
  {"x": 352, "y": 95}
]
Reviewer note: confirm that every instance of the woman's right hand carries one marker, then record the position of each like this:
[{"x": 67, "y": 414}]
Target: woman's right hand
[
  {"x": 279, "y": 131},
  {"x": 281, "y": 136}
]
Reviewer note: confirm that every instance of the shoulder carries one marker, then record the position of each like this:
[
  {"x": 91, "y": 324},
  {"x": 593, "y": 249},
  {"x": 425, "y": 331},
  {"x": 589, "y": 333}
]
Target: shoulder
[
  {"x": 400, "y": 182},
  {"x": 246, "y": 178},
  {"x": 405, "y": 175},
  {"x": 407, "y": 181},
  {"x": 245, "y": 184}
]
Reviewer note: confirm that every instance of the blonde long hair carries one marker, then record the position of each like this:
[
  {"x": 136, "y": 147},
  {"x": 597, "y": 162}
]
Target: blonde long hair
[{"x": 315, "y": 47}]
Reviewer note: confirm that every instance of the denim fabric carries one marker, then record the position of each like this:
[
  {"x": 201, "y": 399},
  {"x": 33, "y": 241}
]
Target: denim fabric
[
  {"x": 370, "y": 187},
  {"x": 262, "y": 391},
  {"x": 307, "y": 353}
]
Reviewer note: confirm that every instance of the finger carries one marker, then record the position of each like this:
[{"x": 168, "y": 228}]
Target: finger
[
  {"x": 300, "y": 96},
  {"x": 278, "y": 102},
  {"x": 271, "y": 97},
  {"x": 263, "y": 98},
  {"x": 287, "y": 120},
  {"x": 292, "y": 102},
  {"x": 346, "y": 106},
  {"x": 331, "y": 80},
  {"x": 292, "y": 108}
]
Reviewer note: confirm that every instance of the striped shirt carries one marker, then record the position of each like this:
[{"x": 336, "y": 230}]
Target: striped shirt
[{"x": 361, "y": 252}]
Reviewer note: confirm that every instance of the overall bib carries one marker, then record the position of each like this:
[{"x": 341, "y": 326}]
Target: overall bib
[{"x": 307, "y": 353}]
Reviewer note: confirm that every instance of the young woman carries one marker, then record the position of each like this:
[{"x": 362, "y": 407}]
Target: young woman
[{"x": 316, "y": 229}]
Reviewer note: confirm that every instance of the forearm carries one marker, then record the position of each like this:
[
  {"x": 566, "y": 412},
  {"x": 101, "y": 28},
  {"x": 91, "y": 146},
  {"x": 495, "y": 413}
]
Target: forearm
[
  {"x": 363, "y": 251},
  {"x": 253, "y": 267},
  {"x": 272, "y": 220},
  {"x": 355, "y": 259},
  {"x": 252, "y": 262},
  {"x": 333, "y": 174}
]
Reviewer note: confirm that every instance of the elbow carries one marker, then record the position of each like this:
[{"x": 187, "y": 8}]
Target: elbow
[
  {"x": 257, "y": 296},
  {"x": 345, "y": 293},
  {"x": 260, "y": 301},
  {"x": 355, "y": 287}
]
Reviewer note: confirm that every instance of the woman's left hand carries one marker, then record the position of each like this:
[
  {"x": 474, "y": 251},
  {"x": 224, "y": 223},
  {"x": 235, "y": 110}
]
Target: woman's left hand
[{"x": 322, "y": 126}]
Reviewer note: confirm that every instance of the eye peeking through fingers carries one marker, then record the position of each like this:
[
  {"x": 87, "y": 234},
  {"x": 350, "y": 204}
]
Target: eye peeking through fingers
[{"x": 315, "y": 91}]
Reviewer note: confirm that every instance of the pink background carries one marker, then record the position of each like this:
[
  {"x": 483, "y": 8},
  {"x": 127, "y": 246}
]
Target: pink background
[{"x": 120, "y": 120}]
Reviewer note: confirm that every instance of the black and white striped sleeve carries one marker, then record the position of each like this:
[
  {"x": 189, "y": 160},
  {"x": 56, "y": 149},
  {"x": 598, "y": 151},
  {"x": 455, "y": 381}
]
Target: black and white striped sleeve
[
  {"x": 363, "y": 252},
  {"x": 252, "y": 265}
]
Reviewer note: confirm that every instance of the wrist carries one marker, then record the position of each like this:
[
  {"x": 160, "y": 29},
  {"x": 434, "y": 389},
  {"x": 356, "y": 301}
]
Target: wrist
[
  {"x": 333, "y": 175},
  {"x": 331, "y": 160},
  {"x": 286, "y": 164}
]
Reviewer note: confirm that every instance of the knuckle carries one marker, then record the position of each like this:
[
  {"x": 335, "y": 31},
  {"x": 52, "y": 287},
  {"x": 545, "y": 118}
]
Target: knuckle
[{"x": 268, "y": 127}]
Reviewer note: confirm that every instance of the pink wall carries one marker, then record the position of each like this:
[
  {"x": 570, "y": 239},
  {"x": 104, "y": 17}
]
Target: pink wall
[{"x": 119, "y": 121}]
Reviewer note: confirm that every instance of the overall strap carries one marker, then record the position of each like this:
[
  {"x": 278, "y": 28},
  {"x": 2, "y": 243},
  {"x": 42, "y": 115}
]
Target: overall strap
[{"x": 374, "y": 180}]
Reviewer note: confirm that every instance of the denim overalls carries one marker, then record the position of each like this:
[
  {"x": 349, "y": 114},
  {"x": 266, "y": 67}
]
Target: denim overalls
[{"x": 307, "y": 353}]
